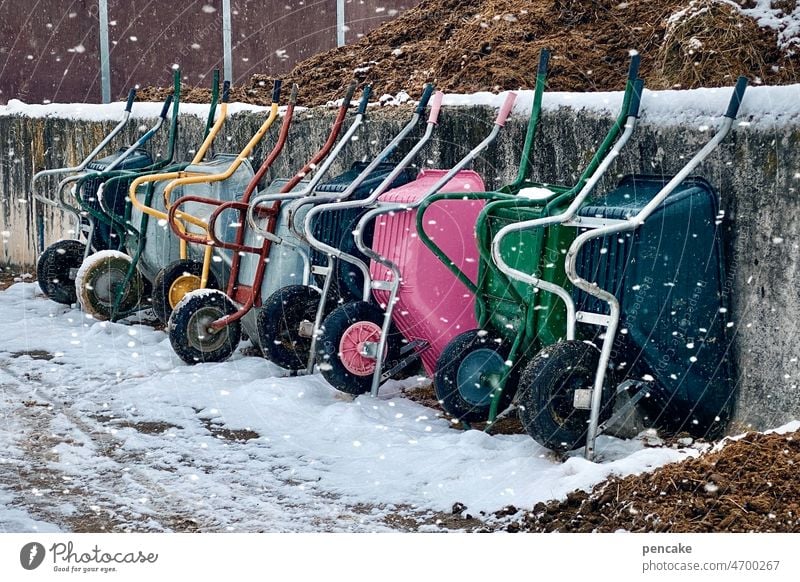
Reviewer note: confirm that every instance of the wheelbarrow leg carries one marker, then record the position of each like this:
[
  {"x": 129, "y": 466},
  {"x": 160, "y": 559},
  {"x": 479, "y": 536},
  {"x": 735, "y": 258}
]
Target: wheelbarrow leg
[
  {"x": 89, "y": 236},
  {"x": 600, "y": 375},
  {"x": 323, "y": 300},
  {"x": 393, "y": 286}
]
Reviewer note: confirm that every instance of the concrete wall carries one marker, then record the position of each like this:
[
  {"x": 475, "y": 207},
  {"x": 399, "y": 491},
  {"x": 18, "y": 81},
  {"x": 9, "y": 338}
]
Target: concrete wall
[{"x": 756, "y": 171}]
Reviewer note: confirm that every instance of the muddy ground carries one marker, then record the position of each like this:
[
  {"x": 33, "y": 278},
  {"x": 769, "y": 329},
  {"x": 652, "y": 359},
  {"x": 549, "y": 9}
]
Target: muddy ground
[{"x": 750, "y": 485}]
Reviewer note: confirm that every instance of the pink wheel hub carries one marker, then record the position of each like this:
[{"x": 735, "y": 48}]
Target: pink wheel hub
[{"x": 351, "y": 347}]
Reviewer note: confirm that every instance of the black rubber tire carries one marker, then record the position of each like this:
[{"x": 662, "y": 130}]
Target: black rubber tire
[
  {"x": 546, "y": 391},
  {"x": 98, "y": 282},
  {"x": 162, "y": 306},
  {"x": 333, "y": 328},
  {"x": 278, "y": 323},
  {"x": 449, "y": 388},
  {"x": 53, "y": 267},
  {"x": 184, "y": 328}
]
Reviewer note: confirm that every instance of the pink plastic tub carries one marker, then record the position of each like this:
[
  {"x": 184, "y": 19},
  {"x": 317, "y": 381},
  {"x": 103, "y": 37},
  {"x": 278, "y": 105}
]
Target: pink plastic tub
[{"x": 433, "y": 305}]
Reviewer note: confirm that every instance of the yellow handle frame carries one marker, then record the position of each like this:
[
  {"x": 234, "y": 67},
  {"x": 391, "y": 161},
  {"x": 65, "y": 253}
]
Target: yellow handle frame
[
  {"x": 198, "y": 157},
  {"x": 209, "y": 179}
]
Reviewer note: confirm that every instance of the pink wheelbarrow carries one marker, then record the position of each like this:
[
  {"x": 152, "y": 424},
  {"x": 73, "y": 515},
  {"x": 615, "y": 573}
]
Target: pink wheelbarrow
[{"x": 412, "y": 305}]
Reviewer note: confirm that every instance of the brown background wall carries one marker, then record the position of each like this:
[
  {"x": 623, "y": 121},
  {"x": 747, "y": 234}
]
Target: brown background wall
[{"x": 49, "y": 49}]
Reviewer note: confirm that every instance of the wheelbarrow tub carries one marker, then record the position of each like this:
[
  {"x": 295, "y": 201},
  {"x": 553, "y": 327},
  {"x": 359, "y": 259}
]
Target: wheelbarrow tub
[
  {"x": 335, "y": 228},
  {"x": 510, "y": 307},
  {"x": 115, "y": 197},
  {"x": 433, "y": 305},
  {"x": 669, "y": 277},
  {"x": 284, "y": 263}
]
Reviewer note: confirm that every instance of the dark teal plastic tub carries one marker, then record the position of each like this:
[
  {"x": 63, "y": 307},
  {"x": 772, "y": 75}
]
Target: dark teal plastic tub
[{"x": 669, "y": 276}]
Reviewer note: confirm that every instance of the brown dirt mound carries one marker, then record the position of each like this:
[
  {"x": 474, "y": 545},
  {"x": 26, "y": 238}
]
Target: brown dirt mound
[
  {"x": 490, "y": 45},
  {"x": 749, "y": 485}
]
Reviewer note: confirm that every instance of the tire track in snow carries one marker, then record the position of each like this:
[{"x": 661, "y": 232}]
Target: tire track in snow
[
  {"x": 35, "y": 473},
  {"x": 103, "y": 497}
]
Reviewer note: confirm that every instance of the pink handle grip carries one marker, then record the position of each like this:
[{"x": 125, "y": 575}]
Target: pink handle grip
[
  {"x": 505, "y": 110},
  {"x": 436, "y": 105}
]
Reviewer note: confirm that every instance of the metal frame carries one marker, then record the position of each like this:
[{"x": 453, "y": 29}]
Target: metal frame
[
  {"x": 42, "y": 199},
  {"x": 84, "y": 210},
  {"x": 177, "y": 219}
]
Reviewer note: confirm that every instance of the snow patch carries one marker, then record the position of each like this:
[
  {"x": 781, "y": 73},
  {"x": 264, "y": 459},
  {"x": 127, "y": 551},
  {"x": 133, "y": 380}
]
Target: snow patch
[
  {"x": 114, "y": 111},
  {"x": 764, "y": 106}
]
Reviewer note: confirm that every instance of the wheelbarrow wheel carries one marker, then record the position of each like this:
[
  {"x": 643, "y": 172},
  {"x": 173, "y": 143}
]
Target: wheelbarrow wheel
[
  {"x": 54, "y": 267},
  {"x": 103, "y": 278},
  {"x": 546, "y": 391},
  {"x": 343, "y": 336},
  {"x": 279, "y": 322},
  {"x": 468, "y": 373},
  {"x": 189, "y": 331},
  {"x": 174, "y": 281}
]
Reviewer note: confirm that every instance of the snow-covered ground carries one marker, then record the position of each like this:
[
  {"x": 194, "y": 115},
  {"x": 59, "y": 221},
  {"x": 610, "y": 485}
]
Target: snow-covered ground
[{"x": 102, "y": 426}]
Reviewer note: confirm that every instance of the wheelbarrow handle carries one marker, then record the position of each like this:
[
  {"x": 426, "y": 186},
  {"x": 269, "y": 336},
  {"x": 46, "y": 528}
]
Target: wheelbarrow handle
[
  {"x": 362, "y": 105},
  {"x": 505, "y": 109},
  {"x": 736, "y": 98},
  {"x": 544, "y": 60},
  {"x": 167, "y": 104},
  {"x": 131, "y": 97},
  {"x": 351, "y": 90},
  {"x": 423, "y": 101},
  {"x": 636, "y": 98},
  {"x": 633, "y": 68},
  {"x": 276, "y": 91},
  {"x": 293, "y": 94},
  {"x": 226, "y": 91},
  {"x": 436, "y": 105}
]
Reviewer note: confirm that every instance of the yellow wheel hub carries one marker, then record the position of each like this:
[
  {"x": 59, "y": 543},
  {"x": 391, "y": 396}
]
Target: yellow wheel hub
[{"x": 181, "y": 286}]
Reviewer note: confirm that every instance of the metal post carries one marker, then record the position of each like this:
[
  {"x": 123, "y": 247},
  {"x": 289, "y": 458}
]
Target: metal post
[
  {"x": 226, "y": 40},
  {"x": 339, "y": 22},
  {"x": 105, "y": 64}
]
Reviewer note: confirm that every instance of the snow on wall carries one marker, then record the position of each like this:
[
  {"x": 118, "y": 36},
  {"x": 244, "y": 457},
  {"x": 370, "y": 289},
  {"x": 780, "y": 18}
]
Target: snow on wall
[{"x": 765, "y": 105}]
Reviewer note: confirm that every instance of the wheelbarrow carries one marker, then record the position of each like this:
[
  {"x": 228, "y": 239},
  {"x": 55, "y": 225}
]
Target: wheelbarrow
[
  {"x": 101, "y": 204},
  {"x": 109, "y": 203},
  {"x": 510, "y": 320},
  {"x": 123, "y": 276},
  {"x": 134, "y": 236},
  {"x": 651, "y": 259},
  {"x": 57, "y": 263},
  {"x": 287, "y": 317},
  {"x": 215, "y": 180},
  {"x": 207, "y": 326},
  {"x": 406, "y": 280}
]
